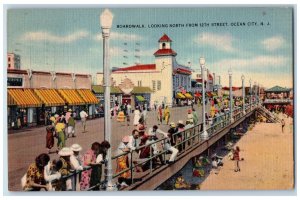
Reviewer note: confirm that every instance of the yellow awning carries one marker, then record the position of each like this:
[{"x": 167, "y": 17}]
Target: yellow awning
[
  {"x": 88, "y": 96},
  {"x": 49, "y": 97},
  {"x": 188, "y": 96},
  {"x": 24, "y": 98},
  {"x": 180, "y": 96},
  {"x": 71, "y": 97}
]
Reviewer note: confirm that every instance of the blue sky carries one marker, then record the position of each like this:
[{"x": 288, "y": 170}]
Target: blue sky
[{"x": 69, "y": 40}]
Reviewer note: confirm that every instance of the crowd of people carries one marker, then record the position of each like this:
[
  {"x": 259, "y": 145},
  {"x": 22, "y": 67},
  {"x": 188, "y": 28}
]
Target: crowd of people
[
  {"x": 60, "y": 174},
  {"x": 135, "y": 149}
]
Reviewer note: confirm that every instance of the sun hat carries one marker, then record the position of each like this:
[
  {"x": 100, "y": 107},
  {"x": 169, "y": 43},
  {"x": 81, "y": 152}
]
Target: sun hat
[
  {"x": 70, "y": 110},
  {"x": 172, "y": 124},
  {"x": 180, "y": 122},
  {"x": 66, "y": 151},
  {"x": 76, "y": 147},
  {"x": 125, "y": 138}
]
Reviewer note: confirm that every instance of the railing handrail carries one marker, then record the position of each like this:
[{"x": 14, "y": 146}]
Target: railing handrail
[{"x": 197, "y": 134}]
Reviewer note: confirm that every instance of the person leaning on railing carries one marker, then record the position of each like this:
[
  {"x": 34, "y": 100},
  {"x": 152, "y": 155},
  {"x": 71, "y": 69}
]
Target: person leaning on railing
[{"x": 153, "y": 136}]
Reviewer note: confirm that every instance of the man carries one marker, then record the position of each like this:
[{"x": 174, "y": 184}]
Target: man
[
  {"x": 167, "y": 143},
  {"x": 83, "y": 116},
  {"x": 68, "y": 114},
  {"x": 76, "y": 164},
  {"x": 282, "y": 124},
  {"x": 134, "y": 140},
  {"x": 71, "y": 126}
]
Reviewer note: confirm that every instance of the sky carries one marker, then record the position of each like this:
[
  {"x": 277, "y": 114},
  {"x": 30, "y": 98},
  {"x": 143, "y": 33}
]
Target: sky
[{"x": 70, "y": 40}]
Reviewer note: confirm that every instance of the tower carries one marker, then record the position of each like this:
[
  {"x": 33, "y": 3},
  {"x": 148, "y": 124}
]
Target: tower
[{"x": 164, "y": 61}]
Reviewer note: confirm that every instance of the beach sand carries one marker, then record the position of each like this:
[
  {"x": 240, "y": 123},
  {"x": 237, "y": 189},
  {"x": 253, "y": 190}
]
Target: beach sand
[{"x": 268, "y": 161}]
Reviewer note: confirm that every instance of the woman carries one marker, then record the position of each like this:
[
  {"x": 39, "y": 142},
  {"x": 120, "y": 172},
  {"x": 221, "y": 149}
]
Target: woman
[
  {"x": 167, "y": 114},
  {"x": 97, "y": 169},
  {"x": 60, "y": 128},
  {"x": 65, "y": 170},
  {"x": 123, "y": 162},
  {"x": 159, "y": 115},
  {"x": 89, "y": 159},
  {"x": 190, "y": 116},
  {"x": 141, "y": 128},
  {"x": 35, "y": 180},
  {"x": 137, "y": 116},
  {"x": 49, "y": 138},
  {"x": 236, "y": 157}
]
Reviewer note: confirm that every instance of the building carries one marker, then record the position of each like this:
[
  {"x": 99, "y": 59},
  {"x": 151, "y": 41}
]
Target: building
[
  {"x": 13, "y": 61},
  {"x": 165, "y": 77},
  {"x": 277, "y": 98},
  {"x": 32, "y": 95},
  {"x": 197, "y": 81}
]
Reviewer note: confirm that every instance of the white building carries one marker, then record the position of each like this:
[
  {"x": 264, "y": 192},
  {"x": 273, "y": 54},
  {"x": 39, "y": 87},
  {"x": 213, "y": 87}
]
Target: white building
[{"x": 165, "y": 76}]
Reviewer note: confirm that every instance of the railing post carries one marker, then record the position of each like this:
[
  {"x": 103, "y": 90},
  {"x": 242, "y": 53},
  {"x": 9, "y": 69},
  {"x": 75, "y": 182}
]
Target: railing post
[
  {"x": 131, "y": 166},
  {"x": 151, "y": 159}
]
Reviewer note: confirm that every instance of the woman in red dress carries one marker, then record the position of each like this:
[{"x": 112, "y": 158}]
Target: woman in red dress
[{"x": 236, "y": 157}]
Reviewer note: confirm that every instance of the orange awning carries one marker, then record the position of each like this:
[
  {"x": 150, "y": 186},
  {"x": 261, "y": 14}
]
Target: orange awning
[
  {"x": 24, "y": 98},
  {"x": 88, "y": 96},
  {"x": 50, "y": 97},
  {"x": 71, "y": 97}
]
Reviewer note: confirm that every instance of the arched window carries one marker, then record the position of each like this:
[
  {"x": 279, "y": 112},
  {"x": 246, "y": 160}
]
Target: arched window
[{"x": 163, "y": 45}]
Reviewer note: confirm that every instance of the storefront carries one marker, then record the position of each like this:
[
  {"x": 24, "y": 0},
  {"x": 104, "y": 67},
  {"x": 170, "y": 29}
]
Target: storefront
[
  {"x": 22, "y": 108},
  {"x": 73, "y": 100},
  {"x": 90, "y": 100},
  {"x": 52, "y": 103}
]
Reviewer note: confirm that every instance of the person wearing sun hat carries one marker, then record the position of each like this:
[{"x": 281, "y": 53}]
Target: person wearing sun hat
[
  {"x": 76, "y": 162},
  {"x": 122, "y": 161},
  {"x": 65, "y": 170}
]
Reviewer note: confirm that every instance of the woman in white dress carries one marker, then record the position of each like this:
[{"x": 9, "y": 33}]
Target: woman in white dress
[{"x": 136, "y": 117}]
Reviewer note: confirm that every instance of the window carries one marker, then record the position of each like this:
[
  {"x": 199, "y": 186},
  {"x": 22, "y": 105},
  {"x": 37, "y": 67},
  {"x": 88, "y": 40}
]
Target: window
[
  {"x": 139, "y": 83},
  {"x": 158, "y": 85},
  {"x": 154, "y": 86},
  {"x": 163, "y": 45},
  {"x": 9, "y": 65},
  {"x": 8, "y": 59}
]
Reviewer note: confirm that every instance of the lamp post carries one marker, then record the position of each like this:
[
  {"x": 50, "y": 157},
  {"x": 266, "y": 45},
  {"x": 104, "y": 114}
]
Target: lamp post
[
  {"x": 230, "y": 93},
  {"x": 202, "y": 65},
  {"x": 255, "y": 92},
  {"x": 243, "y": 78},
  {"x": 106, "y": 23},
  {"x": 250, "y": 81}
]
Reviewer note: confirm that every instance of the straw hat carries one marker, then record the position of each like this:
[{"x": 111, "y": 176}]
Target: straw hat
[
  {"x": 172, "y": 124},
  {"x": 76, "y": 147},
  {"x": 66, "y": 151},
  {"x": 125, "y": 138},
  {"x": 180, "y": 122},
  {"x": 70, "y": 110}
]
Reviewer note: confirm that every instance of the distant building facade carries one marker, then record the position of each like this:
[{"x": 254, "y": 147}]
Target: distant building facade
[
  {"x": 165, "y": 77},
  {"x": 13, "y": 61}
]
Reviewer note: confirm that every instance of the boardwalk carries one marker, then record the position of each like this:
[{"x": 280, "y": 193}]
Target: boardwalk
[
  {"x": 24, "y": 146},
  {"x": 268, "y": 163}
]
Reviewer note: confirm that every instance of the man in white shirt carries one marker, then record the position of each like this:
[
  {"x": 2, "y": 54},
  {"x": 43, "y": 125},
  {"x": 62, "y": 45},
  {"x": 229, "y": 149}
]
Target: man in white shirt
[
  {"x": 76, "y": 164},
  {"x": 167, "y": 143},
  {"x": 83, "y": 116}
]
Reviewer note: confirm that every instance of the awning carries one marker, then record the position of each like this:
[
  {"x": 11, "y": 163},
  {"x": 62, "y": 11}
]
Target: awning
[
  {"x": 180, "y": 96},
  {"x": 140, "y": 98},
  {"x": 88, "y": 96},
  {"x": 49, "y": 97},
  {"x": 187, "y": 95},
  {"x": 24, "y": 98},
  {"x": 71, "y": 96}
]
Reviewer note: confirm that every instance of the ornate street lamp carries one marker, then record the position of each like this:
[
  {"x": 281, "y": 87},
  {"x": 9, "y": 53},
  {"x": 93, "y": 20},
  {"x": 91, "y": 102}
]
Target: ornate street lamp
[
  {"x": 106, "y": 23},
  {"x": 243, "y": 78},
  {"x": 202, "y": 65}
]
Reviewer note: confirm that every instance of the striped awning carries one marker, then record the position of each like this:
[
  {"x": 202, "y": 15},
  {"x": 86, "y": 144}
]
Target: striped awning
[
  {"x": 88, "y": 96},
  {"x": 180, "y": 96},
  {"x": 71, "y": 97},
  {"x": 187, "y": 95},
  {"x": 49, "y": 97},
  {"x": 24, "y": 98}
]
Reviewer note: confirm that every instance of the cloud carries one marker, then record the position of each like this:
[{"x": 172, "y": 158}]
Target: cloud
[
  {"x": 120, "y": 36},
  {"x": 273, "y": 43},
  {"x": 46, "y": 36},
  {"x": 221, "y": 42},
  {"x": 255, "y": 62}
]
